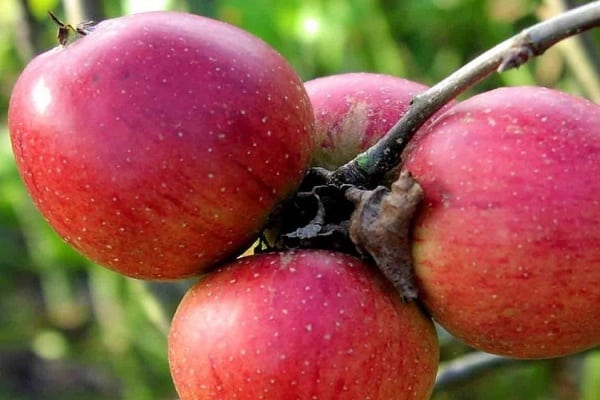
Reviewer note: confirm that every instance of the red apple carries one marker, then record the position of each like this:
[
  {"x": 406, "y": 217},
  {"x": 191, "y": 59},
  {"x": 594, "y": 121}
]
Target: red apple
[
  {"x": 353, "y": 111},
  {"x": 159, "y": 143},
  {"x": 300, "y": 325},
  {"x": 507, "y": 244}
]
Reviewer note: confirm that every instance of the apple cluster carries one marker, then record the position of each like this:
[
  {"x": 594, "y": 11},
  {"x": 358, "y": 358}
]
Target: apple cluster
[
  {"x": 505, "y": 245},
  {"x": 160, "y": 144}
]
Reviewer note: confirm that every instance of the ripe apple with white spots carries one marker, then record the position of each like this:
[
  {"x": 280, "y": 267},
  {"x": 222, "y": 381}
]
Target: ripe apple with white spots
[
  {"x": 506, "y": 250},
  {"x": 159, "y": 143},
  {"x": 353, "y": 111},
  {"x": 300, "y": 325}
]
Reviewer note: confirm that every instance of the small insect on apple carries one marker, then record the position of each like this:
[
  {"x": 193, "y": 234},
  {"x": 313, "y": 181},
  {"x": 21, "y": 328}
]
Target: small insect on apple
[{"x": 64, "y": 30}]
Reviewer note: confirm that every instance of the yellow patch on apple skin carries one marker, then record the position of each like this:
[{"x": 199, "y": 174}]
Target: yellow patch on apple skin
[{"x": 340, "y": 142}]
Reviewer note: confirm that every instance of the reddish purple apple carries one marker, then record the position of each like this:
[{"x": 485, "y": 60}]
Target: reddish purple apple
[
  {"x": 159, "y": 143},
  {"x": 300, "y": 325},
  {"x": 507, "y": 244}
]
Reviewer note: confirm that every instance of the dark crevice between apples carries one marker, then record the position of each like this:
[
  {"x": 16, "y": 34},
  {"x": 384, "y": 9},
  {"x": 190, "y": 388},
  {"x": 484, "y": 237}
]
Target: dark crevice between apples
[
  {"x": 316, "y": 217},
  {"x": 370, "y": 224}
]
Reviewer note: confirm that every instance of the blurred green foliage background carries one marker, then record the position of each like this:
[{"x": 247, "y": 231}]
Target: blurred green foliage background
[{"x": 72, "y": 330}]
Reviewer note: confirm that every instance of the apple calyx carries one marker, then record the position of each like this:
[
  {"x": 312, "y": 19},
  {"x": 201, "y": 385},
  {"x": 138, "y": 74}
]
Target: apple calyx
[
  {"x": 316, "y": 218},
  {"x": 380, "y": 228},
  {"x": 370, "y": 224}
]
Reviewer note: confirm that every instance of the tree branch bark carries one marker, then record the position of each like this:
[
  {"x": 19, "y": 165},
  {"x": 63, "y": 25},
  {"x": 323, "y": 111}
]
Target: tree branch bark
[
  {"x": 468, "y": 367},
  {"x": 369, "y": 167}
]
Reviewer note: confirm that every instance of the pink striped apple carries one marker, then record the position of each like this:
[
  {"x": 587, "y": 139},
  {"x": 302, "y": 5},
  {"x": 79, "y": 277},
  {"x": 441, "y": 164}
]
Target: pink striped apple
[
  {"x": 300, "y": 325},
  {"x": 158, "y": 144},
  {"x": 507, "y": 244}
]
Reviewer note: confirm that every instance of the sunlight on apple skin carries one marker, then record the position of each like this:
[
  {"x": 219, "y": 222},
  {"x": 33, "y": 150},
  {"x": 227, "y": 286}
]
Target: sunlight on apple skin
[
  {"x": 506, "y": 245},
  {"x": 42, "y": 97}
]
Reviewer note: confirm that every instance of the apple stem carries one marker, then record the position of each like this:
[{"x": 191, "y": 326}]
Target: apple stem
[{"x": 368, "y": 168}]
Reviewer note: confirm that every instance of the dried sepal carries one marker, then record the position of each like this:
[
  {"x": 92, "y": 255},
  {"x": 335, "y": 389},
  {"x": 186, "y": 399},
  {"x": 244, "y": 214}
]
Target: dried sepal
[{"x": 380, "y": 227}]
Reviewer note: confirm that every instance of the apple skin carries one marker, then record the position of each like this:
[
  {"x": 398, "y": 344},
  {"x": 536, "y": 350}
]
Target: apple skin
[
  {"x": 158, "y": 144},
  {"x": 300, "y": 325},
  {"x": 506, "y": 244},
  {"x": 353, "y": 111}
]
